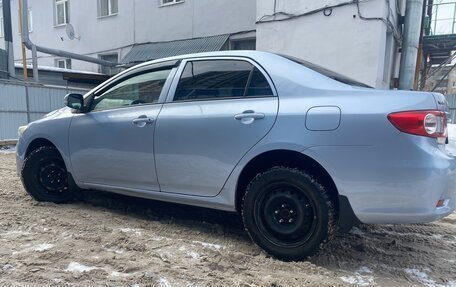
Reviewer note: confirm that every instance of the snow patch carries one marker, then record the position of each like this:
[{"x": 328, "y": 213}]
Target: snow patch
[
  {"x": 361, "y": 277},
  {"x": 77, "y": 267},
  {"x": 425, "y": 279},
  {"x": 7, "y": 267},
  {"x": 194, "y": 255},
  {"x": 164, "y": 282},
  {"x": 43, "y": 247},
  {"x": 114, "y": 250},
  {"x": 356, "y": 231},
  {"x": 131, "y": 230},
  {"x": 7, "y": 149},
  {"x": 119, "y": 274},
  {"x": 209, "y": 245}
]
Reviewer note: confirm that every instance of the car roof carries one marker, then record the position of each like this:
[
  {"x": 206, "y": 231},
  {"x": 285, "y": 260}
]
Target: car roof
[{"x": 230, "y": 53}]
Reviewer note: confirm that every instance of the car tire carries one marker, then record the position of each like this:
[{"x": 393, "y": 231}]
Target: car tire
[
  {"x": 288, "y": 213},
  {"x": 45, "y": 177}
]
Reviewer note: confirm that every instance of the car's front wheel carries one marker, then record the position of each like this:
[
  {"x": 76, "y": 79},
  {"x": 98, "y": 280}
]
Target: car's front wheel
[
  {"x": 45, "y": 176},
  {"x": 288, "y": 213}
]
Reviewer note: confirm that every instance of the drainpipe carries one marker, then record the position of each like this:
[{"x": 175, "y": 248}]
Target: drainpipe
[
  {"x": 35, "y": 48},
  {"x": 8, "y": 33},
  {"x": 412, "y": 28}
]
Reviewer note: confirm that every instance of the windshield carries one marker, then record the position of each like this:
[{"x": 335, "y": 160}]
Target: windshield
[{"x": 328, "y": 73}]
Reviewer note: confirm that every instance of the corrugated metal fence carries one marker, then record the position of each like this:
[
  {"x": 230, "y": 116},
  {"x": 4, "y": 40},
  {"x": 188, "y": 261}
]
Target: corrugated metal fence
[
  {"x": 452, "y": 104},
  {"x": 16, "y": 108}
]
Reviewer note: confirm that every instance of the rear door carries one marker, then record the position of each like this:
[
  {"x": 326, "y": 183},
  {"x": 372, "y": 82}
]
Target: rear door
[{"x": 216, "y": 111}]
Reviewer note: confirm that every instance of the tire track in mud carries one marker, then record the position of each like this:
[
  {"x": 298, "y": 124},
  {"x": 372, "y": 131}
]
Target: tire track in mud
[{"x": 112, "y": 240}]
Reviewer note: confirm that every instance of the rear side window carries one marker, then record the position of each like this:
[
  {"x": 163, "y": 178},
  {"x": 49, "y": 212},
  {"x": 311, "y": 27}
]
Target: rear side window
[
  {"x": 220, "y": 79},
  {"x": 259, "y": 86}
]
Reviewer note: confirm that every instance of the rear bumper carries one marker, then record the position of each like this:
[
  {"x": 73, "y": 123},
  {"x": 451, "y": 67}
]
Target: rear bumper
[{"x": 389, "y": 185}]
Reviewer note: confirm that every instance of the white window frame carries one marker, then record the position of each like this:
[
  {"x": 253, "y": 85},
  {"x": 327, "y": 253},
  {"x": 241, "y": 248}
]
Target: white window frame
[
  {"x": 112, "y": 70},
  {"x": 110, "y": 12},
  {"x": 172, "y": 2},
  {"x": 29, "y": 20},
  {"x": 65, "y": 62},
  {"x": 1, "y": 28},
  {"x": 66, "y": 17}
]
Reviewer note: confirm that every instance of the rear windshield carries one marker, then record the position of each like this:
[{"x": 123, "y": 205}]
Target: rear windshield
[{"x": 328, "y": 73}]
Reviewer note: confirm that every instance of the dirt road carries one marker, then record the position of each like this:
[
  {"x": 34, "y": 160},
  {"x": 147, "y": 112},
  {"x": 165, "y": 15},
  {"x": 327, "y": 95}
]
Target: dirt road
[{"x": 110, "y": 240}]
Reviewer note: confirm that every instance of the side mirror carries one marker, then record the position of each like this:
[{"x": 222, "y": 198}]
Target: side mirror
[{"x": 74, "y": 101}]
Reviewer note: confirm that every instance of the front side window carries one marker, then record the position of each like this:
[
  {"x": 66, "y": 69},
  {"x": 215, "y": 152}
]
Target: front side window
[
  {"x": 62, "y": 12},
  {"x": 221, "y": 79},
  {"x": 107, "y": 8},
  {"x": 137, "y": 90}
]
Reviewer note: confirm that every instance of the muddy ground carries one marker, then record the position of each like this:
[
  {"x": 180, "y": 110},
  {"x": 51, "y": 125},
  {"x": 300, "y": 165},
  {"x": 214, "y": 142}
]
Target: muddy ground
[{"x": 111, "y": 240}]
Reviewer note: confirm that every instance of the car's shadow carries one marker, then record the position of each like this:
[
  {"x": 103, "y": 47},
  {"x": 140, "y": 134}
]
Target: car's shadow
[
  {"x": 163, "y": 211},
  {"x": 385, "y": 249}
]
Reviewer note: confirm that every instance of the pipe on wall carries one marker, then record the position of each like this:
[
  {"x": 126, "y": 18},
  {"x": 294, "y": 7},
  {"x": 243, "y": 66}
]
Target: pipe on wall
[
  {"x": 410, "y": 43},
  {"x": 8, "y": 34},
  {"x": 35, "y": 48}
]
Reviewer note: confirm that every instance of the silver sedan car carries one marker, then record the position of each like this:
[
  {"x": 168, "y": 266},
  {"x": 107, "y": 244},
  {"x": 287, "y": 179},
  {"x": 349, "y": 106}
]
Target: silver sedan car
[{"x": 297, "y": 150}]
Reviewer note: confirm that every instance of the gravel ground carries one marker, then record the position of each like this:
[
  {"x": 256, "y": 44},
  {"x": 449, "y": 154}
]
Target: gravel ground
[{"x": 111, "y": 240}]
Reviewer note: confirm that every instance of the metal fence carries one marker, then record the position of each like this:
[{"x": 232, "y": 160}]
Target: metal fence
[
  {"x": 452, "y": 104},
  {"x": 20, "y": 104}
]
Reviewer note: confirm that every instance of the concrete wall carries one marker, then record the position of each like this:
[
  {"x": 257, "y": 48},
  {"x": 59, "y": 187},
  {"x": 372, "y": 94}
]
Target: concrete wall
[
  {"x": 362, "y": 49},
  {"x": 137, "y": 21}
]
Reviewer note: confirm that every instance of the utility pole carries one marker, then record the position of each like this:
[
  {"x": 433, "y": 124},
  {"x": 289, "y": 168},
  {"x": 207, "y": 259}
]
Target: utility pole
[
  {"x": 24, "y": 55},
  {"x": 412, "y": 29},
  {"x": 8, "y": 33}
]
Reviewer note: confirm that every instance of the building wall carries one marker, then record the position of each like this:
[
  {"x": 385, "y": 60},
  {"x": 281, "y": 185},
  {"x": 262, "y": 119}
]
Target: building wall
[
  {"x": 365, "y": 50},
  {"x": 137, "y": 21},
  {"x": 361, "y": 49}
]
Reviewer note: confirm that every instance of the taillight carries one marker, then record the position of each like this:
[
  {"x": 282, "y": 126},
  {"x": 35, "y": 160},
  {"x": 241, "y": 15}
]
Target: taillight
[{"x": 427, "y": 123}]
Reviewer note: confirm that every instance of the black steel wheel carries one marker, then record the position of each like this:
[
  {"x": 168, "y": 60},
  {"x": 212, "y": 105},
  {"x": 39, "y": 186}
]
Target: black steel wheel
[
  {"x": 45, "y": 176},
  {"x": 288, "y": 213}
]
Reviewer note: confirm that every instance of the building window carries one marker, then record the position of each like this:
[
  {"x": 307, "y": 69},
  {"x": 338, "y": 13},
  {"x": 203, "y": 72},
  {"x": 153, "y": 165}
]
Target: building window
[
  {"x": 1, "y": 28},
  {"x": 107, "y": 8},
  {"x": 30, "y": 20},
  {"x": 62, "y": 12},
  {"x": 63, "y": 63},
  {"x": 244, "y": 44},
  {"x": 170, "y": 2},
  {"x": 110, "y": 58}
]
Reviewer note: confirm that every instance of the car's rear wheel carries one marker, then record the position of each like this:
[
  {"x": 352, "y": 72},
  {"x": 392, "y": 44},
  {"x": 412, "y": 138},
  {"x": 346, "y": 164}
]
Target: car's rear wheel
[
  {"x": 45, "y": 176},
  {"x": 288, "y": 213}
]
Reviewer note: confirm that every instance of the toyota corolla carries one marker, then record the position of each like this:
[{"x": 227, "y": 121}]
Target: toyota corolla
[{"x": 297, "y": 150}]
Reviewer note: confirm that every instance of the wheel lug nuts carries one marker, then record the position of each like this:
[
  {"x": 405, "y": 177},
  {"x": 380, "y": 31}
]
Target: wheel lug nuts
[
  {"x": 290, "y": 220},
  {"x": 276, "y": 212},
  {"x": 291, "y": 211},
  {"x": 281, "y": 221},
  {"x": 283, "y": 205}
]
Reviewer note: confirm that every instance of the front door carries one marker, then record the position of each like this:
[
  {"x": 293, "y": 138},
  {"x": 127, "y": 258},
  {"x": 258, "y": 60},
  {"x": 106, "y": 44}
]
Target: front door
[
  {"x": 220, "y": 110},
  {"x": 112, "y": 145}
]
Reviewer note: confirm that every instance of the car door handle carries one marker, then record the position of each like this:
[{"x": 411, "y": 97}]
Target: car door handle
[
  {"x": 249, "y": 115},
  {"x": 142, "y": 121}
]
